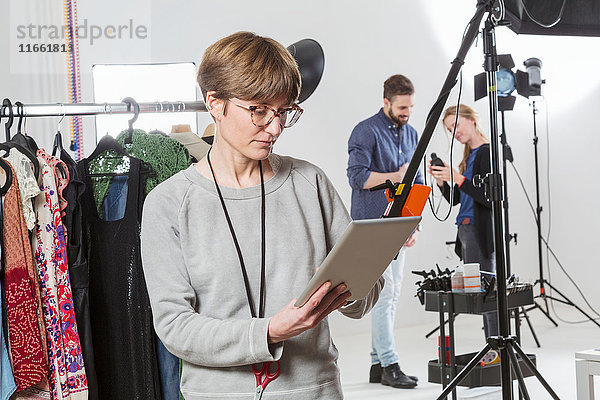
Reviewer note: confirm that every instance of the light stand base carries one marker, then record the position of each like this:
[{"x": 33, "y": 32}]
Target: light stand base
[
  {"x": 563, "y": 300},
  {"x": 509, "y": 346},
  {"x": 521, "y": 311}
]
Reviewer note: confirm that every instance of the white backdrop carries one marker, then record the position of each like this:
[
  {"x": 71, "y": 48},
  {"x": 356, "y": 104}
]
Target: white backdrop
[{"x": 364, "y": 43}]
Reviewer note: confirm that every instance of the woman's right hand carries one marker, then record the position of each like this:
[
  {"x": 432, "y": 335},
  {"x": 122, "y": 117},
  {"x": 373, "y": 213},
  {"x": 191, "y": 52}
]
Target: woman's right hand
[
  {"x": 434, "y": 172},
  {"x": 292, "y": 321}
]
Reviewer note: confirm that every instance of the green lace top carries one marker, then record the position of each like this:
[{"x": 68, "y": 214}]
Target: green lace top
[{"x": 165, "y": 155}]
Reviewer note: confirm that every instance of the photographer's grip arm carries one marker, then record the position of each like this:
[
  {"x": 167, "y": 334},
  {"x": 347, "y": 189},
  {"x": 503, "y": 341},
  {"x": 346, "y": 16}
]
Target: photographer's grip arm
[{"x": 436, "y": 111}]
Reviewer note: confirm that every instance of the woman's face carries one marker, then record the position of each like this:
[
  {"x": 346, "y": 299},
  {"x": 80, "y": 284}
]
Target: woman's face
[
  {"x": 236, "y": 129},
  {"x": 465, "y": 128}
]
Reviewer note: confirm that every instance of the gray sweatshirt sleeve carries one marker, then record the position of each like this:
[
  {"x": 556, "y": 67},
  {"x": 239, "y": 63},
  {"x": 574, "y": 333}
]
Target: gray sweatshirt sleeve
[
  {"x": 184, "y": 332},
  {"x": 337, "y": 219}
]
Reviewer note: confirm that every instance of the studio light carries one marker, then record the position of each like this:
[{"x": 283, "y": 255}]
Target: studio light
[
  {"x": 309, "y": 55},
  {"x": 526, "y": 83}
]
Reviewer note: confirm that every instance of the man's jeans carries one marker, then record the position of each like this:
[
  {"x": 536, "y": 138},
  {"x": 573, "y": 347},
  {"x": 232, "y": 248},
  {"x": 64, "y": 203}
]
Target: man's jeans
[{"x": 383, "y": 313}]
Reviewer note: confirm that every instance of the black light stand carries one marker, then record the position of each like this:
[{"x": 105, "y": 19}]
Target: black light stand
[
  {"x": 542, "y": 281},
  {"x": 505, "y": 344},
  {"x": 507, "y": 156}
]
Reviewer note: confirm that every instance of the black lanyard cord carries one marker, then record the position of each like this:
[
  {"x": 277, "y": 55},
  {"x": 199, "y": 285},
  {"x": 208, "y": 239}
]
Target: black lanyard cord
[
  {"x": 261, "y": 311},
  {"x": 263, "y": 229}
]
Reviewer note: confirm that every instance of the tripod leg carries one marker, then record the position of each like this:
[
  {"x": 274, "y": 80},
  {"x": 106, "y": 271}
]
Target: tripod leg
[
  {"x": 569, "y": 302},
  {"x": 536, "y": 305},
  {"x": 533, "y": 369},
  {"x": 524, "y": 312},
  {"x": 434, "y": 330},
  {"x": 515, "y": 313},
  {"x": 518, "y": 372},
  {"x": 465, "y": 371}
]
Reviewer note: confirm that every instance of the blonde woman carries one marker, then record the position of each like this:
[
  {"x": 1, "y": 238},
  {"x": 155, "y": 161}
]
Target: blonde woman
[{"x": 475, "y": 240}]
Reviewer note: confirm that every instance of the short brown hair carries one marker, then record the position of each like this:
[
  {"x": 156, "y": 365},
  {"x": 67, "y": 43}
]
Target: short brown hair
[
  {"x": 249, "y": 67},
  {"x": 397, "y": 85}
]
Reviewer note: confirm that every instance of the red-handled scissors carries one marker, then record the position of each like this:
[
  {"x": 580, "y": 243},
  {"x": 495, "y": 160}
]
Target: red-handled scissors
[{"x": 264, "y": 370}]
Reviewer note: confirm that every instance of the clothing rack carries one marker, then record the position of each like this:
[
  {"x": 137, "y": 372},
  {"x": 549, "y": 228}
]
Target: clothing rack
[{"x": 69, "y": 109}]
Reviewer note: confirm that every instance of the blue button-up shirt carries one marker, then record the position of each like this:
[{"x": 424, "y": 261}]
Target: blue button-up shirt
[{"x": 377, "y": 144}]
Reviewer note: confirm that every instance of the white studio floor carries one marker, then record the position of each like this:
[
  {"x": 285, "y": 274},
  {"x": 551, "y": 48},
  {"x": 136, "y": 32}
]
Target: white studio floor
[{"x": 555, "y": 359}]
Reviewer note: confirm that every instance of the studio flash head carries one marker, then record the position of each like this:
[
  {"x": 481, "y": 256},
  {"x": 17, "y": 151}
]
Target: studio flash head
[{"x": 534, "y": 70}]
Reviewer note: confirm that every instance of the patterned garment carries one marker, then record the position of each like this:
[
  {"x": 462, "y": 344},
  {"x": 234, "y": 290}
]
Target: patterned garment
[
  {"x": 32, "y": 393},
  {"x": 7, "y": 380},
  {"x": 61, "y": 174},
  {"x": 27, "y": 183},
  {"x": 25, "y": 344},
  {"x": 67, "y": 372},
  {"x": 29, "y": 189}
]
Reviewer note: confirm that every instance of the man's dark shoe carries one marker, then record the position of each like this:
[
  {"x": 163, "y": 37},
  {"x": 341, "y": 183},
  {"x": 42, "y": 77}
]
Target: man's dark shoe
[
  {"x": 394, "y": 377},
  {"x": 375, "y": 374}
]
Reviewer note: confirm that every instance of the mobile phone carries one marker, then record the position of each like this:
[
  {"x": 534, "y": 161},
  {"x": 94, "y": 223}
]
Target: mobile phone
[{"x": 436, "y": 161}]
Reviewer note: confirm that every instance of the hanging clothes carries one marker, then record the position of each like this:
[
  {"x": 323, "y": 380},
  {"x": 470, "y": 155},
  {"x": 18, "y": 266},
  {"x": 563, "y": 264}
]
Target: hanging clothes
[
  {"x": 28, "y": 186},
  {"x": 165, "y": 155},
  {"x": 24, "y": 338},
  {"x": 29, "y": 189},
  {"x": 7, "y": 380},
  {"x": 121, "y": 317},
  {"x": 78, "y": 269},
  {"x": 67, "y": 371},
  {"x": 61, "y": 176}
]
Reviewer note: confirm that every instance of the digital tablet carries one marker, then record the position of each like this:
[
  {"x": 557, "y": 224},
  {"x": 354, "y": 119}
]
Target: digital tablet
[{"x": 361, "y": 255}]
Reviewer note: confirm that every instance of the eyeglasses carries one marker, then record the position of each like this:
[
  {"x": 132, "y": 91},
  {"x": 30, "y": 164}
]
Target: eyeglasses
[{"x": 263, "y": 115}]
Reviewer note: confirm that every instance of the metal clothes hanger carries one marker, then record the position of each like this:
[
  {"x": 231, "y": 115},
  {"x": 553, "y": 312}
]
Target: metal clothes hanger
[
  {"x": 136, "y": 112},
  {"x": 8, "y": 172},
  {"x": 6, "y": 167},
  {"x": 57, "y": 147},
  {"x": 108, "y": 142},
  {"x": 21, "y": 137},
  {"x": 6, "y": 104}
]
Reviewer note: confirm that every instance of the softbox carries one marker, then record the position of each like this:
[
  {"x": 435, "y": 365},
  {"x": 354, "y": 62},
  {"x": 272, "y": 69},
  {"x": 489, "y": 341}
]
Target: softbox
[{"x": 579, "y": 17}]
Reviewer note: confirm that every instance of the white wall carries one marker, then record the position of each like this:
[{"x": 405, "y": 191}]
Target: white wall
[{"x": 364, "y": 43}]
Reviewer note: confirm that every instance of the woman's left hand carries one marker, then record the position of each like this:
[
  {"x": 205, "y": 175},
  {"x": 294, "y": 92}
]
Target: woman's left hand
[{"x": 443, "y": 173}]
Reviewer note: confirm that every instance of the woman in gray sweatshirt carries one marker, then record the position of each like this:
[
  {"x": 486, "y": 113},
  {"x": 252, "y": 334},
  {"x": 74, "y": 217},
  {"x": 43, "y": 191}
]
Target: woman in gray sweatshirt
[{"x": 228, "y": 243}]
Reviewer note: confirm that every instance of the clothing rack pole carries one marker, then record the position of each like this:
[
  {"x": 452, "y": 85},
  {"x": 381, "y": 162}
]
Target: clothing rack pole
[{"x": 69, "y": 109}]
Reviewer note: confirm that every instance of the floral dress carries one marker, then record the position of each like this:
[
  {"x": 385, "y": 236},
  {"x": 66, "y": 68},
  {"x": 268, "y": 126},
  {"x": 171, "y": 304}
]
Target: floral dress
[{"x": 67, "y": 372}]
